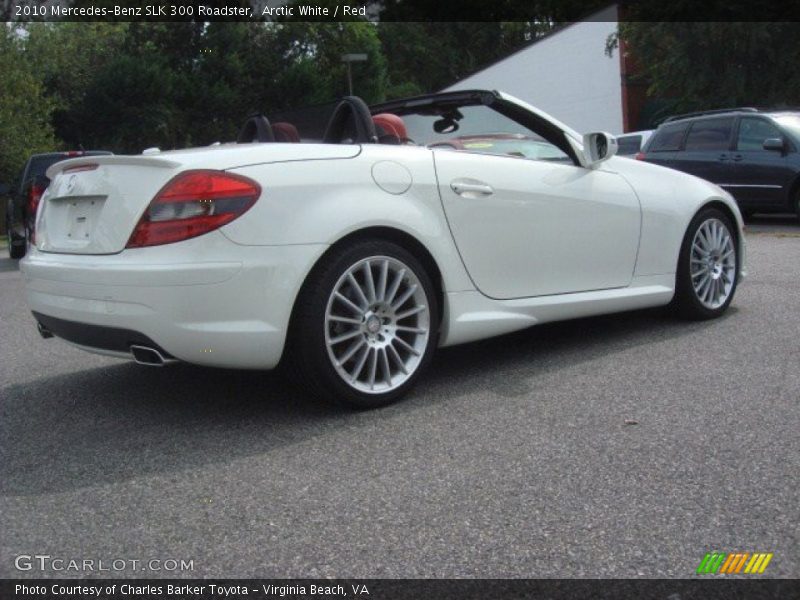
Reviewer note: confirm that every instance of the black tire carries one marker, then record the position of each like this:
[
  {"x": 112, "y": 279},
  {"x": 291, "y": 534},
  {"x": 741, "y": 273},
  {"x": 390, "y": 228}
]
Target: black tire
[
  {"x": 16, "y": 252},
  {"x": 797, "y": 205},
  {"x": 16, "y": 245},
  {"x": 308, "y": 360},
  {"x": 687, "y": 302}
]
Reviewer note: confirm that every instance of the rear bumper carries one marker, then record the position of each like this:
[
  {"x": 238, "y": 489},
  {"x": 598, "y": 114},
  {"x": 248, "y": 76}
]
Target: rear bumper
[
  {"x": 206, "y": 301},
  {"x": 100, "y": 338}
]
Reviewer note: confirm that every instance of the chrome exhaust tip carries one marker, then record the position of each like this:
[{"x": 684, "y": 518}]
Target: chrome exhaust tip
[
  {"x": 147, "y": 356},
  {"x": 44, "y": 331}
]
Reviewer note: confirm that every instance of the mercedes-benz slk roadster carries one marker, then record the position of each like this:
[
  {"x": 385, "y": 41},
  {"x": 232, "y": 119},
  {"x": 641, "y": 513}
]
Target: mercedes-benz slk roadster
[{"x": 406, "y": 226}]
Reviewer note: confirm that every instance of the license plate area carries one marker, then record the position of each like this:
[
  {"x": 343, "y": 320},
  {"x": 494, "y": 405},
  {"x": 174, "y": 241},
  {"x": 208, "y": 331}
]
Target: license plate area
[
  {"x": 71, "y": 221},
  {"x": 82, "y": 216}
]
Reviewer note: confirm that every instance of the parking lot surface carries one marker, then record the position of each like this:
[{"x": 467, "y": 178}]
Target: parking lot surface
[{"x": 620, "y": 446}]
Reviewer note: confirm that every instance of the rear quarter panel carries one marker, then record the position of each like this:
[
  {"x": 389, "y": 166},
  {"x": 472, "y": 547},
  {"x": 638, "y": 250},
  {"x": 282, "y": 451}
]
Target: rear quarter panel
[{"x": 322, "y": 201}]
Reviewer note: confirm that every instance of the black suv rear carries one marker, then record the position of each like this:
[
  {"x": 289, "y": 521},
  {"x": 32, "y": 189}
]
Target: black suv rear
[
  {"x": 25, "y": 194},
  {"x": 751, "y": 153}
]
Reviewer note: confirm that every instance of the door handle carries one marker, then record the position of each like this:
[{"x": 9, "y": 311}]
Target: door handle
[
  {"x": 723, "y": 157},
  {"x": 471, "y": 187},
  {"x": 737, "y": 157}
]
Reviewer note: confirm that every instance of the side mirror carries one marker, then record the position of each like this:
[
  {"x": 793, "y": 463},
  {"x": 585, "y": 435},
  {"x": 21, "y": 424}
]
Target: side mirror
[
  {"x": 598, "y": 147},
  {"x": 773, "y": 144}
]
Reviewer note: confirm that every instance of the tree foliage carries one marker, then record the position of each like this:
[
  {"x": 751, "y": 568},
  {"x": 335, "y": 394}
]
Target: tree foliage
[
  {"x": 25, "y": 109},
  {"x": 703, "y": 65},
  {"x": 127, "y": 86},
  {"x": 426, "y": 57},
  {"x": 66, "y": 59}
]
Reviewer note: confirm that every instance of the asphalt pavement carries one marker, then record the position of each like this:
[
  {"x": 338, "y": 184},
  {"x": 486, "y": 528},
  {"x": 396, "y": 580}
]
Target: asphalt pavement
[{"x": 618, "y": 446}]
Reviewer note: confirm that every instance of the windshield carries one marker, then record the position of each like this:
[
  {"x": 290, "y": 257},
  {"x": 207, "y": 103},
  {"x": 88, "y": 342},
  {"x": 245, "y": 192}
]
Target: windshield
[
  {"x": 40, "y": 164},
  {"x": 475, "y": 120},
  {"x": 791, "y": 123},
  {"x": 480, "y": 129}
]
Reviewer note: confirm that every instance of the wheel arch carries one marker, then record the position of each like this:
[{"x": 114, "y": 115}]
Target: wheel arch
[
  {"x": 728, "y": 211},
  {"x": 711, "y": 203},
  {"x": 720, "y": 205},
  {"x": 794, "y": 190},
  {"x": 407, "y": 241},
  {"x": 685, "y": 300},
  {"x": 382, "y": 233}
]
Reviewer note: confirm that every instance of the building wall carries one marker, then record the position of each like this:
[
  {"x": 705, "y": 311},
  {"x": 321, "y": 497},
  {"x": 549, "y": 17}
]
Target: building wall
[{"x": 566, "y": 74}]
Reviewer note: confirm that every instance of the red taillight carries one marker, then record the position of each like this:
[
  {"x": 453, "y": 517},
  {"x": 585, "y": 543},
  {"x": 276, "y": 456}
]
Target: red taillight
[
  {"x": 639, "y": 156},
  {"x": 194, "y": 203},
  {"x": 34, "y": 195}
]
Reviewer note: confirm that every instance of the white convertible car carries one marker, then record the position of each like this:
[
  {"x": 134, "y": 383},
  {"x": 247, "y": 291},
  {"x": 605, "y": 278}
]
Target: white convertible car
[{"x": 418, "y": 223}]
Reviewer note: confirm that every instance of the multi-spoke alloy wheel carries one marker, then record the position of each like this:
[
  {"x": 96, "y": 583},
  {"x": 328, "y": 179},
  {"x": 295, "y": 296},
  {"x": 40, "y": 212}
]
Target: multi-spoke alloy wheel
[
  {"x": 365, "y": 325},
  {"x": 713, "y": 263},
  {"x": 377, "y": 324},
  {"x": 708, "y": 266}
]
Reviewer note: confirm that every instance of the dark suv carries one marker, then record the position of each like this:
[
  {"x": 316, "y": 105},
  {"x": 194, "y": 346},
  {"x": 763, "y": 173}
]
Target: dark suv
[
  {"x": 753, "y": 154},
  {"x": 25, "y": 194}
]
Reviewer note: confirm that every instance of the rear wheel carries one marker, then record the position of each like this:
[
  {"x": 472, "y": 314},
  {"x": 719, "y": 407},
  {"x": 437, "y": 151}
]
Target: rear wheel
[
  {"x": 16, "y": 247},
  {"x": 708, "y": 266},
  {"x": 797, "y": 204},
  {"x": 365, "y": 325},
  {"x": 16, "y": 244}
]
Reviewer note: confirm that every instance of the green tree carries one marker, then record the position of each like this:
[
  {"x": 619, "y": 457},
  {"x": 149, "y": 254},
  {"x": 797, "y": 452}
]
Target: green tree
[
  {"x": 695, "y": 66},
  {"x": 312, "y": 52},
  {"x": 25, "y": 111},
  {"x": 65, "y": 58},
  {"x": 130, "y": 105},
  {"x": 232, "y": 75},
  {"x": 426, "y": 57}
]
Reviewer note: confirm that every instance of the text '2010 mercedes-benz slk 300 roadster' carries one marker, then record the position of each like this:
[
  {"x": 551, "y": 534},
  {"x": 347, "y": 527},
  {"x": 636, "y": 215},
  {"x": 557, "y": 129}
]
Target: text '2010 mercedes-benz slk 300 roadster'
[{"x": 351, "y": 257}]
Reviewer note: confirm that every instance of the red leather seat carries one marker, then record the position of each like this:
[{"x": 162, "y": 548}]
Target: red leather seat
[
  {"x": 390, "y": 129},
  {"x": 286, "y": 133}
]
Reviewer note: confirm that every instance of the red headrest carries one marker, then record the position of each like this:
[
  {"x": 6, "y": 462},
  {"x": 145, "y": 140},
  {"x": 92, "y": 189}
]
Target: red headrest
[
  {"x": 285, "y": 132},
  {"x": 391, "y": 125}
]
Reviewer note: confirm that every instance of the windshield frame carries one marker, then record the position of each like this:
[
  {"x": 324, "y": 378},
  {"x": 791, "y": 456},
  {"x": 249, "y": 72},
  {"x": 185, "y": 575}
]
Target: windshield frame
[{"x": 528, "y": 117}]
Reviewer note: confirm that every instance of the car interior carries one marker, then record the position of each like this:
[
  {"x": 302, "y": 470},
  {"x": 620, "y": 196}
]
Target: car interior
[{"x": 457, "y": 124}]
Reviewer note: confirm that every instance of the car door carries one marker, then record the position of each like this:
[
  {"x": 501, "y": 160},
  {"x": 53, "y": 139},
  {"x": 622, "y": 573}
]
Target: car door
[
  {"x": 536, "y": 227},
  {"x": 758, "y": 178},
  {"x": 706, "y": 152}
]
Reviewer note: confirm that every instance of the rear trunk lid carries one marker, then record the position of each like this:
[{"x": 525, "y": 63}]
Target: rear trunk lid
[{"x": 93, "y": 204}]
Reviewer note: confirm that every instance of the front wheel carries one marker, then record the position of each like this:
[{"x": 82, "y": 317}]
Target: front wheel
[
  {"x": 708, "y": 266},
  {"x": 365, "y": 325}
]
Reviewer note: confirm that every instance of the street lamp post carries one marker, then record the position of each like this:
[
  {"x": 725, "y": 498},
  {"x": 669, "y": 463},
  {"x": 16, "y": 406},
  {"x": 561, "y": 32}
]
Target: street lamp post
[{"x": 349, "y": 59}]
